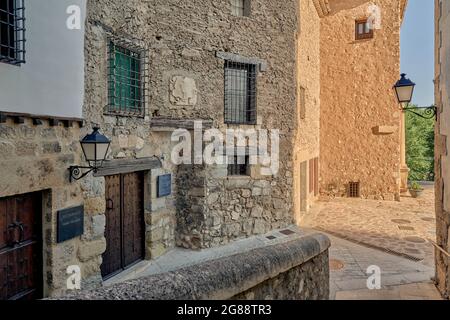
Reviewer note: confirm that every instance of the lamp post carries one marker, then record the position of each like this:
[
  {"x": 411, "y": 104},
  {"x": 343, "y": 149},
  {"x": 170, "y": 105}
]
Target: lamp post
[
  {"x": 95, "y": 147},
  {"x": 404, "y": 90}
]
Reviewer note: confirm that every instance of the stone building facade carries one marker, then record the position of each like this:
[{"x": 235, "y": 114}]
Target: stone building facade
[
  {"x": 182, "y": 79},
  {"x": 207, "y": 207},
  {"x": 154, "y": 71},
  {"x": 308, "y": 101},
  {"x": 360, "y": 133},
  {"x": 442, "y": 82}
]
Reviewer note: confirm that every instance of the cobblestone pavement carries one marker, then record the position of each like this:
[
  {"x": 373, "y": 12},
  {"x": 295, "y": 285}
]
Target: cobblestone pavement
[
  {"x": 401, "y": 278},
  {"x": 400, "y": 228}
]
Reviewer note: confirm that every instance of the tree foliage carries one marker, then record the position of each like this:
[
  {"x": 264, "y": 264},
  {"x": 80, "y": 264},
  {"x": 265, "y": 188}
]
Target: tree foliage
[{"x": 420, "y": 147}]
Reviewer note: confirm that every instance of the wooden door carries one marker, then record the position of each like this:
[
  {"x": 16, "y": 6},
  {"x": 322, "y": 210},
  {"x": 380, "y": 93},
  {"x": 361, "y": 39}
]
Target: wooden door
[
  {"x": 21, "y": 247},
  {"x": 133, "y": 218},
  {"x": 112, "y": 258},
  {"x": 124, "y": 223}
]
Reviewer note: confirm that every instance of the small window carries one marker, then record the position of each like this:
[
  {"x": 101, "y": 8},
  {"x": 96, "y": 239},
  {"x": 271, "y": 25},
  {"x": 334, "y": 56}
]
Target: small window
[
  {"x": 240, "y": 8},
  {"x": 240, "y": 93},
  {"x": 239, "y": 166},
  {"x": 12, "y": 31},
  {"x": 363, "y": 30},
  {"x": 354, "y": 189},
  {"x": 126, "y": 80}
]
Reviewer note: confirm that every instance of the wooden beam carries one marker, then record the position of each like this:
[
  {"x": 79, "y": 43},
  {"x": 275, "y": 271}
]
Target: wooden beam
[
  {"x": 53, "y": 122},
  {"x": 170, "y": 124},
  {"x": 119, "y": 166},
  {"x": 18, "y": 119},
  {"x": 37, "y": 121}
]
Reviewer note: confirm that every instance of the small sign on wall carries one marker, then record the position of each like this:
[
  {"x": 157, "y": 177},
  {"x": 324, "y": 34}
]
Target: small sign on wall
[
  {"x": 70, "y": 223},
  {"x": 164, "y": 185}
]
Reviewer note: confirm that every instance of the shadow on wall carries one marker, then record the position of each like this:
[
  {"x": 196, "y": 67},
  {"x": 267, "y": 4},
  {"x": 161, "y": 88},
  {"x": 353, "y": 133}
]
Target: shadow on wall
[{"x": 340, "y": 5}]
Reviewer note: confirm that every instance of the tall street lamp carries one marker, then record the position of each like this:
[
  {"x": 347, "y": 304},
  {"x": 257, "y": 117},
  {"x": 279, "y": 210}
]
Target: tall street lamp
[
  {"x": 95, "y": 148},
  {"x": 404, "y": 89}
]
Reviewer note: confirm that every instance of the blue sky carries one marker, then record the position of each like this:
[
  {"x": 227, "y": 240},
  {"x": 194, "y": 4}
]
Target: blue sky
[{"x": 417, "y": 49}]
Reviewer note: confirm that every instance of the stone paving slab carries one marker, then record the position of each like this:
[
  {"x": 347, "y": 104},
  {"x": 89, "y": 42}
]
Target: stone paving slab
[
  {"x": 415, "y": 291},
  {"x": 348, "y": 274},
  {"x": 403, "y": 228}
]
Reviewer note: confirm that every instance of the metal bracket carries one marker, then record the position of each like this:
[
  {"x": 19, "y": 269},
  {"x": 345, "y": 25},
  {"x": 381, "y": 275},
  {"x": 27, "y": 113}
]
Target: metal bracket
[
  {"x": 428, "y": 113},
  {"x": 76, "y": 173}
]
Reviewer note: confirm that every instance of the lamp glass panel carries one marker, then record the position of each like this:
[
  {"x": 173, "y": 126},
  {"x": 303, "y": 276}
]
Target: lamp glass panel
[
  {"x": 102, "y": 149},
  {"x": 89, "y": 151},
  {"x": 404, "y": 93}
]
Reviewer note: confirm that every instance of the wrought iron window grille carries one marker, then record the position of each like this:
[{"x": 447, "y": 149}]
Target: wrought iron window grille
[
  {"x": 240, "y": 93},
  {"x": 239, "y": 166},
  {"x": 354, "y": 189},
  {"x": 128, "y": 70},
  {"x": 12, "y": 31},
  {"x": 239, "y": 8}
]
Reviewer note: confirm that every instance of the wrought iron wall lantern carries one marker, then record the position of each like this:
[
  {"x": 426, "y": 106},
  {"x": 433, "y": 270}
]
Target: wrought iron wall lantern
[
  {"x": 95, "y": 148},
  {"x": 404, "y": 89}
]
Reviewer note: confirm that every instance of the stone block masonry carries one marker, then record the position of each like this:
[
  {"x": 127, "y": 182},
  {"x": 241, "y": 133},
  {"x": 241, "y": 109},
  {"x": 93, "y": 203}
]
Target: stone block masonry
[{"x": 36, "y": 158}]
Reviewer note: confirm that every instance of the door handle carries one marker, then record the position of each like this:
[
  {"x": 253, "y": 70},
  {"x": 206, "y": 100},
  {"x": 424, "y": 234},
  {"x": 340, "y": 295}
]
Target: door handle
[
  {"x": 13, "y": 227},
  {"x": 109, "y": 204}
]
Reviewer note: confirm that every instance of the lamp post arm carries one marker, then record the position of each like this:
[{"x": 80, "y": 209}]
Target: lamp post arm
[
  {"x": 75, "y": 172},
  {"x": 428, "y": 113}
]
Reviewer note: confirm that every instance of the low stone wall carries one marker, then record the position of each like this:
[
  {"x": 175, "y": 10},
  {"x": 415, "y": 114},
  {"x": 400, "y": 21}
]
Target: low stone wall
[{"x": 294, "y": 270}]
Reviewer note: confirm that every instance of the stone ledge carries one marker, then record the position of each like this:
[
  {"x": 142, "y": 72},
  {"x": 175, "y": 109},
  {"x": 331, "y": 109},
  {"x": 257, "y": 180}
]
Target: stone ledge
[
  {"x": 170, "y": 124},
  {"x": 218, "y": 279},
  {"x": 117, "y": 166},
  {"x": 241, "y": 59}
]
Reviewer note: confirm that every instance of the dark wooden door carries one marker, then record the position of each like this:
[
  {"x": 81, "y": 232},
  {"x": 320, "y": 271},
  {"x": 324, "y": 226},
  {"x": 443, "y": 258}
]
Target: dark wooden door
[
  {"x": 21, "y": 247},
  {"x": 124, "y": 222}
]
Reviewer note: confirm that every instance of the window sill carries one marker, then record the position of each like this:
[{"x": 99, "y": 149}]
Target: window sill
[{"x": 238, "y": 178}]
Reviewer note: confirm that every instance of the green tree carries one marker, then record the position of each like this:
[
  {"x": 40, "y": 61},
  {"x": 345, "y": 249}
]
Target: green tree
[{"x": 420, "y": 147}]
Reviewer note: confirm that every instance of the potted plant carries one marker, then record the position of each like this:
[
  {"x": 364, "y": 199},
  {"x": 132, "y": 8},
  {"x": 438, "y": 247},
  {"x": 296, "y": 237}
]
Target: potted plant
[{"x": 415, "y": 189}]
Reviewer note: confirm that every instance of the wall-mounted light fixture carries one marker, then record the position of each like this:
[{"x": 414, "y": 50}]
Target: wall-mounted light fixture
[
  {"x": 404, "y": 89},
  {"x": 95, "y": 148}
]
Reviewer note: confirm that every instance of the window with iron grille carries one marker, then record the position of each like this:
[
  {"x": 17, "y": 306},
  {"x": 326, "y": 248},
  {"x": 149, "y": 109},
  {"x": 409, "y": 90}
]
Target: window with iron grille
[
  {"x": 240, "y": 93},
  {"x": 239, "y": 166},
  {"x": 240, "y": 8},
  {"x": 354, "y": 189},
  {"x": 12, "y": 31},
  {"x": 127, "y": 71},
  {"x": 363, "y": 30}
]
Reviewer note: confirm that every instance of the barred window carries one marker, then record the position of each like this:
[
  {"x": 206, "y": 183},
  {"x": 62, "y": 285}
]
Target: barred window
[
  {"x": 240, "y": 8},
  {"x": 240, "y": 93},
  {"x": 239, "y": 166},
  {"x": 127, "y": 70},
  {"x": 12, "y": 31}
]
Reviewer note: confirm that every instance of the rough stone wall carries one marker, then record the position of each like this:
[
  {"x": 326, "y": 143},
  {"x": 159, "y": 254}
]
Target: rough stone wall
[
  {"x": 360, "y": 117},
  {"x": 182, "y": 40},
  {"x": 36, "y": 158},
  {"x": 294, "y": 270},
  {"x": 309, "y": 281},
  {"x": 308, "y": 100},
  {"x": 132, "y": 137},
  {"x": 442, "y": 145}
]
